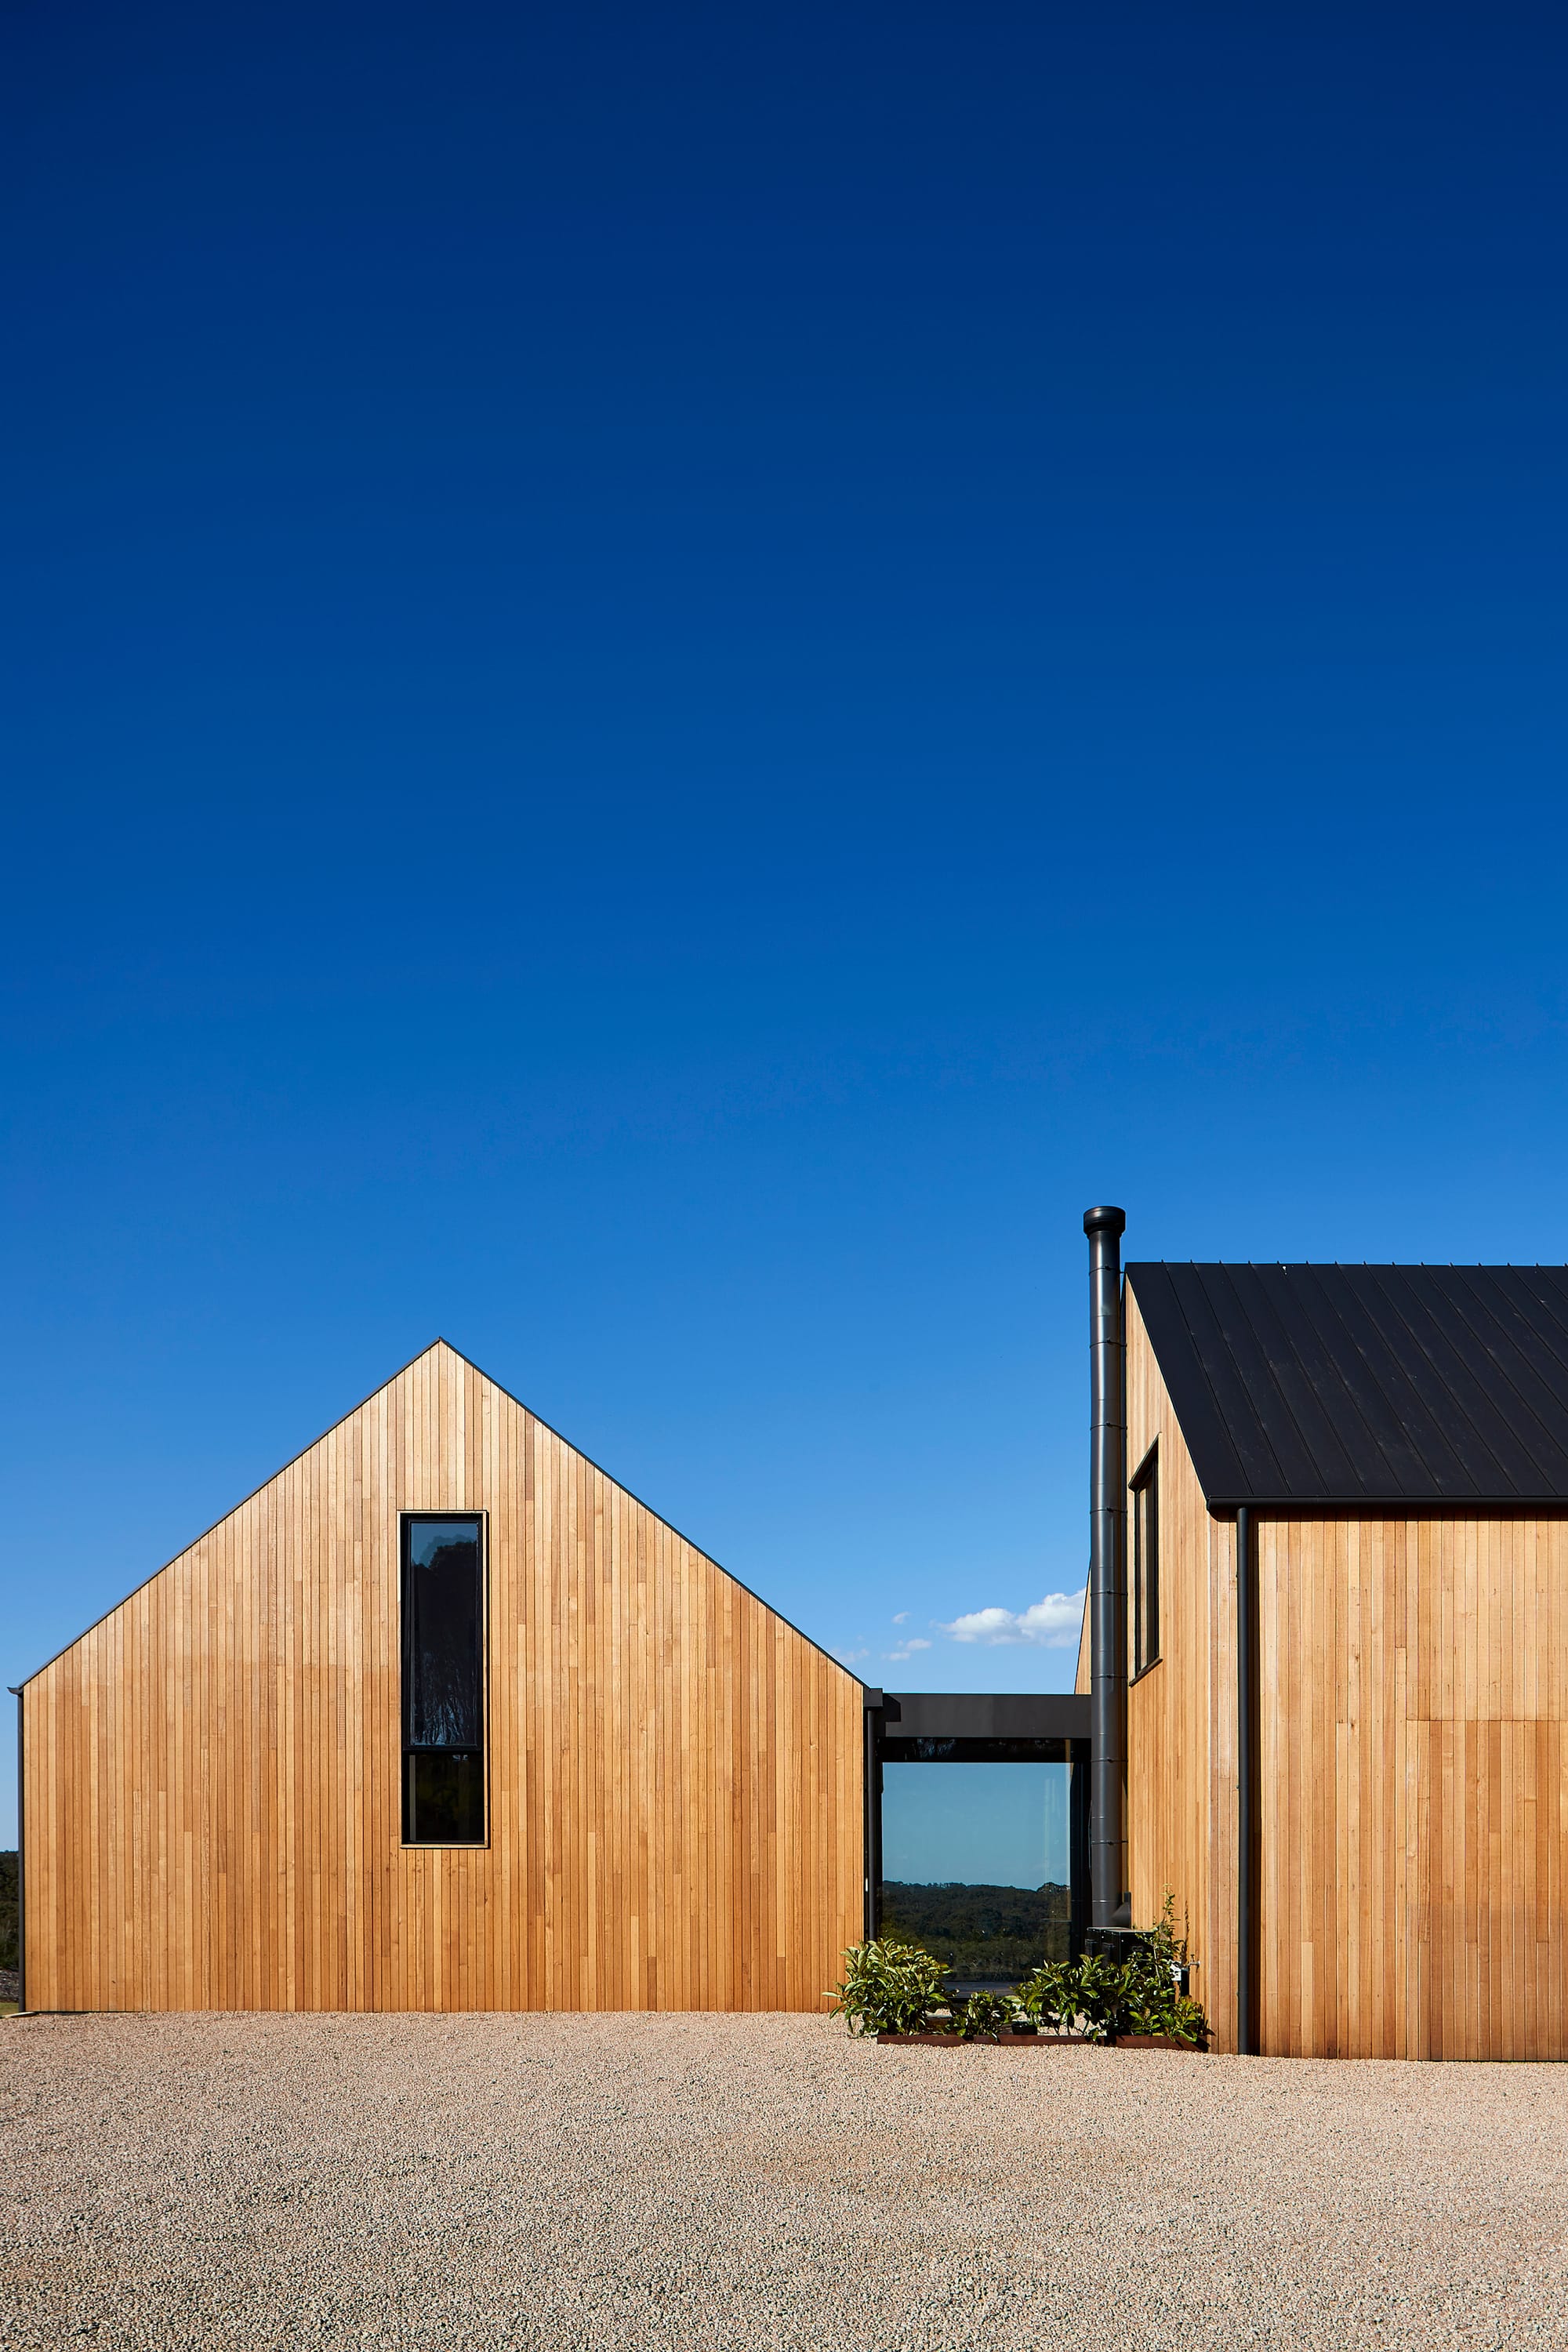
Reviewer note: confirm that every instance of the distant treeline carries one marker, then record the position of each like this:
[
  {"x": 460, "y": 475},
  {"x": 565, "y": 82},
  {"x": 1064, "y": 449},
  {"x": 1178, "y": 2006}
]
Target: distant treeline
[
  {"x": 9, "y": 1910},
  {"x": 981, "y": 1931}
]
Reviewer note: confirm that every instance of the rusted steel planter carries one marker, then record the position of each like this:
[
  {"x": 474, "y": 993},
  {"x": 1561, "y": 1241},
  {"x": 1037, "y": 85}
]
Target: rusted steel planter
[
  {"x": 1157, "y": 2041},
  {"x": 974, "y": 2042}
]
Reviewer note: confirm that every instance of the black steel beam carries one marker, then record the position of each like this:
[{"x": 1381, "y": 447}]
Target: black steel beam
[{"x": 984, "y": 1715}]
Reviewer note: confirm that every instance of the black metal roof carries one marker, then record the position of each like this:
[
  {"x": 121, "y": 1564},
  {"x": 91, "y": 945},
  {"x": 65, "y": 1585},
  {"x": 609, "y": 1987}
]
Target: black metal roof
[{"x": 1346, "y": 1387}]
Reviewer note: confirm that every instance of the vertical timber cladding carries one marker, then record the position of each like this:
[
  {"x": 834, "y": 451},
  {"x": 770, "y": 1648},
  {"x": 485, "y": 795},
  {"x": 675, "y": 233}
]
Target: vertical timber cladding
[
  {"x": 213, "y": 1772},
  {"x": 1415, "y": 1780},
  {"x": 1181, "y": 1713}
]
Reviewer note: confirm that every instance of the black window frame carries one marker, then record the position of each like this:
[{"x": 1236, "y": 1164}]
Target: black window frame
[
  {"x": 1143, "y": 1564},
  {"x": 408, "y": 1749}
]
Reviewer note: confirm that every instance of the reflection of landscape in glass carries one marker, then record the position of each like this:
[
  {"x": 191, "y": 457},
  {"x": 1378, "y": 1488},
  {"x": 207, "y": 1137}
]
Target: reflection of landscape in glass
[
  {"x": 975, "y": 1865},
  {"x": 986, "y": 1934}
]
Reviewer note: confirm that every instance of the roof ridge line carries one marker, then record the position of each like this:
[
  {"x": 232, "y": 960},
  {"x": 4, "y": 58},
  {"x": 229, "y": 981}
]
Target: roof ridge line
[{"x": 368, "y": 1398}]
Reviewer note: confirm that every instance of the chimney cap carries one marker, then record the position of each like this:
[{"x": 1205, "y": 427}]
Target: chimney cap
[{"x": 1100, "y": 1221}]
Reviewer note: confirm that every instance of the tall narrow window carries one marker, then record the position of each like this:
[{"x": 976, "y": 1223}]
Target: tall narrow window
[
  {"x": 1145, "y": 1532},
  {"x": 443, "y": 1681}
]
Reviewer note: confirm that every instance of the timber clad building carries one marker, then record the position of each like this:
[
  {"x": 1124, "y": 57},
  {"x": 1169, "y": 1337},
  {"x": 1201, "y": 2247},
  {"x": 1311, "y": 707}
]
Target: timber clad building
[
  {"x": 1348, "y": 1573},
  {"x": 442, "y": 1717}
]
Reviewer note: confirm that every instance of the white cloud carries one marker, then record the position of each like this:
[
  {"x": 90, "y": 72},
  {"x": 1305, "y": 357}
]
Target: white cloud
[
  {"x": 850, "y": 1657},
  {"x": 902, "y": 1618},
  {"x": 1052, "y": 1624},
  {"x": 906, "y": 1649}
]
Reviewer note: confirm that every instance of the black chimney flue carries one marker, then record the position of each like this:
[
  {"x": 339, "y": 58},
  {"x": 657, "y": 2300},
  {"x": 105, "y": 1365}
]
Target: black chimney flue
[{"x": 1107, "y": 1565}]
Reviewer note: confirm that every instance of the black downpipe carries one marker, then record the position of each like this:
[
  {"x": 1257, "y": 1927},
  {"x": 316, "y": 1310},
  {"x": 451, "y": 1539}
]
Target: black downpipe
[
  {"x": 15, "y": 1690},
  {"x": 1078, "y": 1867},
  {"x": 1107, "y": 1565},
  {"x": 1246, "y": 1826},
  {"x": 872, "y": 1840}
]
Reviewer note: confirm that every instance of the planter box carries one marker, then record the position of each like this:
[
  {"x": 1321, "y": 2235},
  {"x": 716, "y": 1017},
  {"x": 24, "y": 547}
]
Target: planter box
[
  {"x": 1157, "y": 2041},
  {"x": 1003, "y": 2041}
]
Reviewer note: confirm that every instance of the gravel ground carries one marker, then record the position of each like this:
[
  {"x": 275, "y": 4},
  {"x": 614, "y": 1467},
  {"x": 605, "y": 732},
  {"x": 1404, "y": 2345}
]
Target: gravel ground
[{"x": 726, "y": 2182}]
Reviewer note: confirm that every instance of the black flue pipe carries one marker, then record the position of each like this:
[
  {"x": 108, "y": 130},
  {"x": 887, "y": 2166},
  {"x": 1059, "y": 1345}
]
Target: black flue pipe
[{"x": 1107, "y": 1565}]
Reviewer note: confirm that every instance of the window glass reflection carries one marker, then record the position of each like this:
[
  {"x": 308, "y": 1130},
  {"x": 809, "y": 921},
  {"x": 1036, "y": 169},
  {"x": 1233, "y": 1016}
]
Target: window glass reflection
[{"x": 976, "y": 1864}]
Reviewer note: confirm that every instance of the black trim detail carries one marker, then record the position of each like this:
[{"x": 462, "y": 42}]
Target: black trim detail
[
  {"x": 956, "y": 1749},
  {"x": 437, "y": 1750},
  {"x": 871, "y": 1843},
  {"x": 981, "y": 1728},
  {"x": 1248, "y": 1818},
  {"x": 984, "y": 1715},
  {"x": 1145, "y": 1576}
]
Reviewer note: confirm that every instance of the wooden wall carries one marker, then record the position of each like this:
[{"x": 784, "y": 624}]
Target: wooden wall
[
  {"x": 1415, "y": 1841},
  {"x": 213, "y": 1773},
  {"x": 1414, "y": 1769},
  {"x": 1181, "y": 1713}
]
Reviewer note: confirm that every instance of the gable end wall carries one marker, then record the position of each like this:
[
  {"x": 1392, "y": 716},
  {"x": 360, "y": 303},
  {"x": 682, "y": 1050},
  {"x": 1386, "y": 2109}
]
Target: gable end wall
[{"x": 213, "y": 1772}]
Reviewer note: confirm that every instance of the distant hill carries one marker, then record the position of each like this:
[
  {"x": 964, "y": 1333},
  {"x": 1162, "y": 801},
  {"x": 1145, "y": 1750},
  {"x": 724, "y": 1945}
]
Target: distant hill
[{"x": 981, "y": 1931}]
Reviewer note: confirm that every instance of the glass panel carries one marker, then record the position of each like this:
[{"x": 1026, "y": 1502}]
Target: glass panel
[
  {"x": 1140, "y": 1495},
  {"x": 445, "y": 1800},
  {"x": 1146, "y": 1572},
  {"x": 976, "y": 1865},
  {"x": 443, "y": 1632},
  {"x": 1152, "y": 1567}
]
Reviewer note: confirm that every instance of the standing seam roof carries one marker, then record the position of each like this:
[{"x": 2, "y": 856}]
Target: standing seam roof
[{"x": 1347, "y": 1386}]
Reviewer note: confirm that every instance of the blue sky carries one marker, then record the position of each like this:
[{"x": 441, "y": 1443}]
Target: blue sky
[{"x": 675, "y": 680}]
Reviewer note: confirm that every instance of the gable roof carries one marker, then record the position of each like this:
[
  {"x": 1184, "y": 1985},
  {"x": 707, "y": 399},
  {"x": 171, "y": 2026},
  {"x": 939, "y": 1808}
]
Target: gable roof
[
  {"x": 1346, "y": 1387},
  {"x": 436, "y": 1347}
]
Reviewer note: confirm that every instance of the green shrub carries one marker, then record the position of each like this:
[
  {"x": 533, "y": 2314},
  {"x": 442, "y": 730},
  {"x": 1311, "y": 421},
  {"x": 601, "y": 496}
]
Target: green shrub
[
  {"x": 1181, "y": 2018},
  {"x": 1050, "y": 1996},
  {"x": 1101, "y": 1996},
  {"x": 984, "y": 2015},
  {"x": 1151, "y": 2000},
  {"x": 888, "y": 1988},
  {"x": 896, "y": 1988},
  {"x": 1140, "y": 1993}
]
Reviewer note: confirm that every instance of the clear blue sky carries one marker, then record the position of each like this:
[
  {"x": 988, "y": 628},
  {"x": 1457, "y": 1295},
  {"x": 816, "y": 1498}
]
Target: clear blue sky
[{"x": 677, "y": 675}]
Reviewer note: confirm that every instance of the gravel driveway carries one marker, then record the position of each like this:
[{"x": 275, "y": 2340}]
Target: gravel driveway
[{"x": 684, "y": 2181}]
